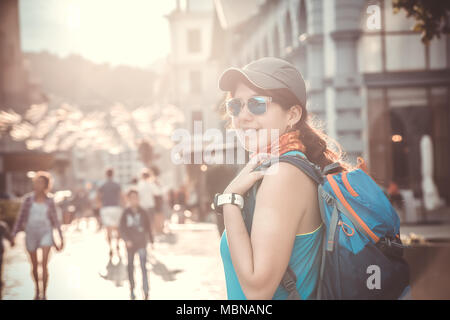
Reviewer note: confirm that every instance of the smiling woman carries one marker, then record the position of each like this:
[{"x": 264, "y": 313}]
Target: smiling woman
[
  {"x": 286, "y": 230},
  {"x": 117, "y": 32}
]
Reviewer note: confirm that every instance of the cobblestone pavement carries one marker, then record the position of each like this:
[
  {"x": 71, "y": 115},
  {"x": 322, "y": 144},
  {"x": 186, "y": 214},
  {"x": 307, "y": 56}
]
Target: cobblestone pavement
[{"x": 185, "y": 264}]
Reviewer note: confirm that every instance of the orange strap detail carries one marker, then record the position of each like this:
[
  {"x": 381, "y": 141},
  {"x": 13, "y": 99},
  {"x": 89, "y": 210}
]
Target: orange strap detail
[
  {"x": 362, "y": 165},
  {"x": 341, "y": 198},
  {"x": 347, "y": 185},
  {"x": 346, "y": 227}
]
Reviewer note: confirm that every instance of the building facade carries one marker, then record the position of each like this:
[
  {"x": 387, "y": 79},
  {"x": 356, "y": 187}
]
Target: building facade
[
  {"x": 18, "y": 91},
  {"x": 191, "y": 70},
  {"x": 192, "y": 78}
]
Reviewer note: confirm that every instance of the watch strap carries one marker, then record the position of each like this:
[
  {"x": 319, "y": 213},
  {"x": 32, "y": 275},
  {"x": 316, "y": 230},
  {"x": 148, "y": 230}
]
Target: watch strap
[{"x": 230, "y": 198}]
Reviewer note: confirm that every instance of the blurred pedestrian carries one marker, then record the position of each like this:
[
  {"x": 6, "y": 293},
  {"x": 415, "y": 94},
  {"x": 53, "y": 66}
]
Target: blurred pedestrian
[
  {"x": 135, "y": 230},
  {"x": 133, "y": 184},
  {"x": 80, "y": 202},
  {"x": 95, "y": 204},
  {"x": 159, "y": 218},
  {"x": 181, "y": 204},
  {"x": 4, "y": 234},
  {"x": 147, "y": 191},
  {"x": 37, "y": 217},
  {"x": 110, "y": 196}
]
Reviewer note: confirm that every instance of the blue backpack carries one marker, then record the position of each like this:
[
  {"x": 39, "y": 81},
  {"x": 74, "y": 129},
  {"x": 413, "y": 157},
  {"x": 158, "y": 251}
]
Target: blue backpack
[{"x": 362, "y": 251}]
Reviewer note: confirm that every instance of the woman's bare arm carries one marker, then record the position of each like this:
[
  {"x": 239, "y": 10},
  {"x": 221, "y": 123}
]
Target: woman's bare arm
[{"x": 281, "y": 202}]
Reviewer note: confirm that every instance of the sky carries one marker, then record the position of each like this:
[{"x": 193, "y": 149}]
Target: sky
[{"x": 129, "y": 32}]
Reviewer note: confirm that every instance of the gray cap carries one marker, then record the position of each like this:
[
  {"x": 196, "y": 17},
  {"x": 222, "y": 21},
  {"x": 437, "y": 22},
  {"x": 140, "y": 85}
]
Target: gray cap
[{"x": 267, "y": 73}]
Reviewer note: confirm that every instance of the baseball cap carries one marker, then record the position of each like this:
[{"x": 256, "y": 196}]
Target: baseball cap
[{"x": 267, "y": 73}]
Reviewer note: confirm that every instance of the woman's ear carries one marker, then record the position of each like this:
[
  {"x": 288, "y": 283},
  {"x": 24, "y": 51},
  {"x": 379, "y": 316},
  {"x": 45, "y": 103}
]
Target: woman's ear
[{"x": 294, "y": 115}]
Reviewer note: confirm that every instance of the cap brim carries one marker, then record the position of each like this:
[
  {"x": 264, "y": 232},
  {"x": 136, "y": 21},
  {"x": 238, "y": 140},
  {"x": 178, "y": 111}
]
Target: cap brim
[{"x": 231, "y": 76}]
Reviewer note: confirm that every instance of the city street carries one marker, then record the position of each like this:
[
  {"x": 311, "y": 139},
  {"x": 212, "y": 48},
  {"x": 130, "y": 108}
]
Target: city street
[{"x": 185, "y": 264}]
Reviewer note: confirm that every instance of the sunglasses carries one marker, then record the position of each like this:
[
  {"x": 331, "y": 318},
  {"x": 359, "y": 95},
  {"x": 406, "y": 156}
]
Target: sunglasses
[{"x": 256, "y": 105}]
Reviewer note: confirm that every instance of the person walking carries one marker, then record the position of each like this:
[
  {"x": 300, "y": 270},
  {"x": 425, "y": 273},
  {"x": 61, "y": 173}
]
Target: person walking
[
  {"x": 110, "y": 197},
  {"x": 147, "y": 190},
  {"x": 38, "y": 217},
  {"x": 80, "y": 202},
  {"x": 159, "y": 217},
  {"x": 135, "y": 230}
]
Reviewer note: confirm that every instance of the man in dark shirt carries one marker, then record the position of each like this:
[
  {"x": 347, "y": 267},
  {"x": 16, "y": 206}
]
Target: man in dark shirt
[
  {"x": 135, "y": 230},
  {"x": 110, "y": 197},
  {"x": 4, "y": 234}
]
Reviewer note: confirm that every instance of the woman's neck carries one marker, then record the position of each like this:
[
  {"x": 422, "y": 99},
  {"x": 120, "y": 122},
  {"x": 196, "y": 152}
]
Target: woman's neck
[
  {"x": 286, "y": 142},
  {"x": 39, "y": 196}
]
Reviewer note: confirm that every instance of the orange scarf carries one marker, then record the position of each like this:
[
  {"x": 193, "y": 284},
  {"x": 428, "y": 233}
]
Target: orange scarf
[{"x": 288, "y": 141}]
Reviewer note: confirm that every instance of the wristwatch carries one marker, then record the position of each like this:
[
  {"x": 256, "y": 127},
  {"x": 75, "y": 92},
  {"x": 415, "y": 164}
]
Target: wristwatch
[{"x": 226, "y": 198}]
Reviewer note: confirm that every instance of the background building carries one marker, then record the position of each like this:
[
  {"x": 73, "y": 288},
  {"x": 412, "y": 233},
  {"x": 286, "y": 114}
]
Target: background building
[
  {"x": 18, "y": 90},
  {"x": 192, "y": 80}
]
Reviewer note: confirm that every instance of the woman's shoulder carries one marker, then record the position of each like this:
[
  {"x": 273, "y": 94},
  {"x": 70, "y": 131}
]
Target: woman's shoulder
[
  {"x": 283, "y": 180},
  {"x": 286, "y": 174}
]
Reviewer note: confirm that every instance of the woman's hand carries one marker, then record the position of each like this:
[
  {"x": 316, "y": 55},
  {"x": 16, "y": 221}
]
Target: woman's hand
[{"x": 247, "y": 178}]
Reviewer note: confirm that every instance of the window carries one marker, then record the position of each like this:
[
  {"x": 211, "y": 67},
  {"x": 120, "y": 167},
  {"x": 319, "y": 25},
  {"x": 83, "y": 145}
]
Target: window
[
  {"x": 288, "y": 30},
  {"x": 369, "y": 53},
  {"x": 302, "y": 19},
  {"x": 276, "y": 42},
  {"x": 398, "y": 47},
  {"x": 195, "y": 79},
  {"x": 438, "y": 53},
  {"x": 399, "y": 21},
  {"x": 194, "y": 41}
]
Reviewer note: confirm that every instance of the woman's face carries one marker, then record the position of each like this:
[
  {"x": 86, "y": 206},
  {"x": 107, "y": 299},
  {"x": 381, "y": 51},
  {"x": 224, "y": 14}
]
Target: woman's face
[
  {"x": 256, "y": 132},
  {"x": 39, "y": 184}
]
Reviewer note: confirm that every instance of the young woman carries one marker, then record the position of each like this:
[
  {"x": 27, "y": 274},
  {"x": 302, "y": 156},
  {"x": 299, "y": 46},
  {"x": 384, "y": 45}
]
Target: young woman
[
  {"x": 287, "y": 228},
  {"x": 37, "y": 217}
]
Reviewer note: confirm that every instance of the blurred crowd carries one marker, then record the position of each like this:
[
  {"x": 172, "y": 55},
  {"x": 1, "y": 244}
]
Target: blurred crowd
[{"x": 133, "y": 216}]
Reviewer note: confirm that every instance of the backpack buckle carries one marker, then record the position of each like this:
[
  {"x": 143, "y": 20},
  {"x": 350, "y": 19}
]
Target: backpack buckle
[{"x": 329, "y": 199}]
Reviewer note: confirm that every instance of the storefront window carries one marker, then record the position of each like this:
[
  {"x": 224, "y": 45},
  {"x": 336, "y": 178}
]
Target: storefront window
[{"x": 397, "y": 125}]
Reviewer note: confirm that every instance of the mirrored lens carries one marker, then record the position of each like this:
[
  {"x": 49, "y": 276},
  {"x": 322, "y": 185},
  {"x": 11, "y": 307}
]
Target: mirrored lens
[
  {"x": 234, "y": 106},
  {"x": 257, "y": 105}
]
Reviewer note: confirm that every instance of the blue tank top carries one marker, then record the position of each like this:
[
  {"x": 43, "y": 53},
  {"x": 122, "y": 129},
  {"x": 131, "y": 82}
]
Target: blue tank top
[{"x": 305, "y": 262}]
